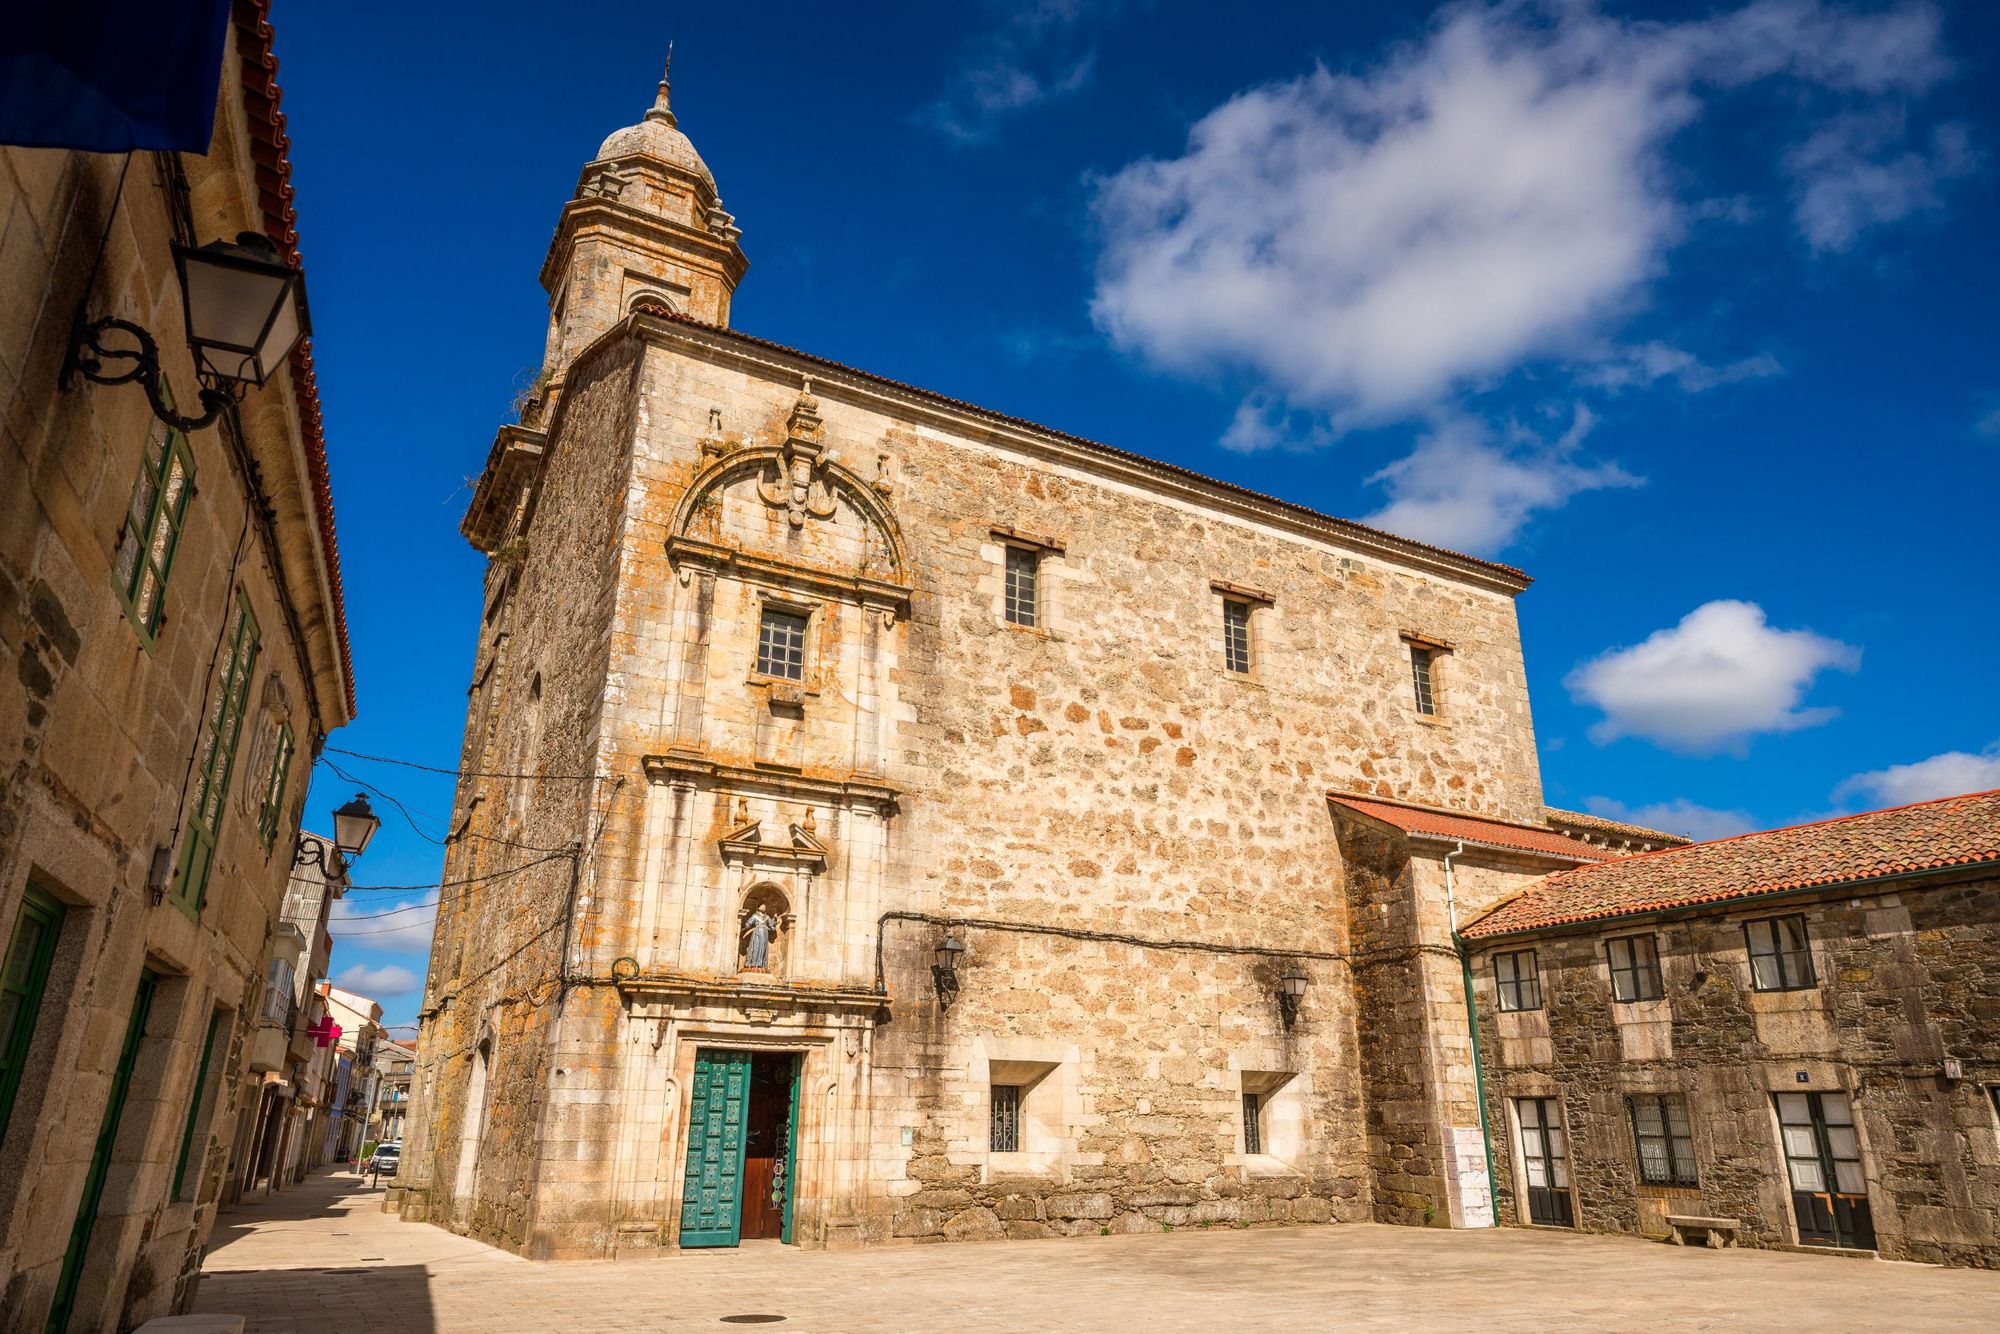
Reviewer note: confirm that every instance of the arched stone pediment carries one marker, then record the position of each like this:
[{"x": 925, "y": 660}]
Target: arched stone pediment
[{"x": 790, "y": 512}]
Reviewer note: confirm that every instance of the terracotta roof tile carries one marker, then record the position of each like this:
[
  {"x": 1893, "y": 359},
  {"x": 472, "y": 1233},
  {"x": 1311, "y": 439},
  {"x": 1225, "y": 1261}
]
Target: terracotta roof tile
[
  {"x": 1426, "y": 822},
  {"x": 269, "y": 147},
  {"x": 1951, "y": 831},
  {"x": 1617, "y": 828}
]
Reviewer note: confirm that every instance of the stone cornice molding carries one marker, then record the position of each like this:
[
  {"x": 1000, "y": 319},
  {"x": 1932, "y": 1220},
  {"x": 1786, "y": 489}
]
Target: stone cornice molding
[
  {"x": 512, "y": 464},
  {"x": 697, "y": 770},
  {"x": 852, "y": 1003},
  {"x": 783, "y": 365},
  {"x": 668, "y": 237}
]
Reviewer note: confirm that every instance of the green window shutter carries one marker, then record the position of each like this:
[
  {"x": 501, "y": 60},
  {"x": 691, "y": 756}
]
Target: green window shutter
[
  {"x": 24, "y": 974},
  {"x": 194, "y": 1104},
  {"x": 274, "y": 789},
  {"x": 221, "y": 728},
  {"x": 152, "y": 529}
]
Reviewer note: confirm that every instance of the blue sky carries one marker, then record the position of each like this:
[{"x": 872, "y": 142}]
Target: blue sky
[{"x": 1686, "y": 309}]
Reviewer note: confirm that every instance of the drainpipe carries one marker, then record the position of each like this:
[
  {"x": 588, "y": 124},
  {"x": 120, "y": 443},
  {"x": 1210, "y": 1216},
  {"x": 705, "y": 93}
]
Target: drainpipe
[{"x": 1472, "y": 1032}]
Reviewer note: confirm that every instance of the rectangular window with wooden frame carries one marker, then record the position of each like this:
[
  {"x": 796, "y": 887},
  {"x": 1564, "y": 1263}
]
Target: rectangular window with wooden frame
[
  {"x": 1236, "y": 635},
  {"x": 24, "y": 977},
  {"x": 210, "y": 780},
  {"x": 1023, "y": 587},
  {"x": 152, "y": 528},
  {"x": 1519, "y": 984},
  {"x": 1780, "y": 954},
  {"x": 1665, "y": 1138},
  {"x": 1635, "y": 969},
  {"x": 271, "y": 813},
  {"x": 1423, "y": 679}
]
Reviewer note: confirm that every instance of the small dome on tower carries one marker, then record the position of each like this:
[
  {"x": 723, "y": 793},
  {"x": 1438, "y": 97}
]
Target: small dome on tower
[{"x": 657, "y": 137}]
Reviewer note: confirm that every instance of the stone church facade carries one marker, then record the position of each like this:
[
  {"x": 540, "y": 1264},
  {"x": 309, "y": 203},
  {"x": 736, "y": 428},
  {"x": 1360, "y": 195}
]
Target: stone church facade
[{"x": 885, "y": 819}]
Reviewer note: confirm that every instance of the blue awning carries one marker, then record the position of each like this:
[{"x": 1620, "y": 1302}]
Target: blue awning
[{"x": 110, "y": 76}]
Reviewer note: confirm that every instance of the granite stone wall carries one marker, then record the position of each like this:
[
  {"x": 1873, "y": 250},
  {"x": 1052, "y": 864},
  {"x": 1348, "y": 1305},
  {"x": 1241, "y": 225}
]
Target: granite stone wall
[{"x": 1908, "y": 979}]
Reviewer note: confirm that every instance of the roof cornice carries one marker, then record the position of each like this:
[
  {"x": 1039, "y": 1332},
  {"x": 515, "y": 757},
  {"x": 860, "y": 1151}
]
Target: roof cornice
[{"x": 1046, "y": 444}]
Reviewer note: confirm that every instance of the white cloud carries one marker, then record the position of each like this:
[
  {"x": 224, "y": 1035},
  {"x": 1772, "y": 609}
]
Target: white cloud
[
  {"x": 1367, "y": 243},
  {"x": 1027, "y": 60},
  {"x": 1463, "y": 488},
  {"x": 1849, "y": 176},
  {"x": 1679, "y": 816},
  {"x": 1648, "y": 363},
  {"x": 1945, "y": 775},
  {"x": 374, "y": 983},
  {"x": 1710, "y": 683},
  {"x": 400, "y": 928}
]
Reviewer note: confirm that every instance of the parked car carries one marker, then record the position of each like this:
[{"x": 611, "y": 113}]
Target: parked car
[{"x": 384, "y": 1160}]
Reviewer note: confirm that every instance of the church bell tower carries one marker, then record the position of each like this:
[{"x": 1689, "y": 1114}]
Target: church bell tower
[{"x": 646, "y": 230}]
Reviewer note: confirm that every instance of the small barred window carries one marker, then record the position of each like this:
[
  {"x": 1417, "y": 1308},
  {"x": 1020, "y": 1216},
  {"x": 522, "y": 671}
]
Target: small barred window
[
  {"x": 781, "y": 644},
  {"x": 1023, "y": 576},
  {"x": 1236, "y": 635}
]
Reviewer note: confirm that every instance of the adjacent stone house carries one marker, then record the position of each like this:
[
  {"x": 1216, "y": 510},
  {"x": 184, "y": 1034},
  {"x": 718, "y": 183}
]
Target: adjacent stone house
[
  {"x": 885, "y": 819},
  {"x": 172, "y": 652},
  {"x": 1797, "y": 1032}
]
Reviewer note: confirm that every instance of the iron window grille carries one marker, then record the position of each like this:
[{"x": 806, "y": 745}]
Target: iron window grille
[
  {"x": 1023, "y": 586},
  {"x": 1004, "y": 1136},
  {"x": 1635, "y": 969},
  {"x": 1780, "y": 954},
  {"x": 1253, "y": 1129},
  {"x": 1236, "y": 635},
  {"x": 1520, "y": 984},
  {"x": 1665, "y": 1138},
  {"x": 781, "y": 644},
  {"x": 1420, "y": 678}
]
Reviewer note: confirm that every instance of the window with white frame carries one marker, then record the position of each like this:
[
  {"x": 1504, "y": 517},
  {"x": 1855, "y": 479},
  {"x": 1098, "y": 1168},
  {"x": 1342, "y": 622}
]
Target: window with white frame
[
  {"x": 1635, "y": 968},
  {"x": 1236, "y": 635},
  {"x": 1023, "y": 586},
  {"x": 1520, "y": 985},
  {"x": 781, "y": 644}
]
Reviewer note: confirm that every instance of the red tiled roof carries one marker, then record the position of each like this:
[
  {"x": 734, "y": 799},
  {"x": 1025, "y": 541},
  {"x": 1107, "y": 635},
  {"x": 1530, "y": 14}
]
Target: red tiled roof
[
  {"x": 269, "y": 153},
  {"x": 1952, "y": 831},
  {"x": 1428, "y": 823},
  {"x": 1504, "y": 573}
]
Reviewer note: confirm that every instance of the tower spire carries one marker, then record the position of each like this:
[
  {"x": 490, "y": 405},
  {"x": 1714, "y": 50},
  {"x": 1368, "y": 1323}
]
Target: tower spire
[{"x": 662, "y": 110}]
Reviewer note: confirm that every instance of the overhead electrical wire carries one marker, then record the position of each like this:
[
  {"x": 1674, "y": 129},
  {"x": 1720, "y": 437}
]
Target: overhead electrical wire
[{"x": 452, "y": 773}]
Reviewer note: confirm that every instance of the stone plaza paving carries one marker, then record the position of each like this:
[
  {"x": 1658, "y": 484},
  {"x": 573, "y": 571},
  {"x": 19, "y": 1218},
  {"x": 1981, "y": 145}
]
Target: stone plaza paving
[{"x": 323, "y": 1259}]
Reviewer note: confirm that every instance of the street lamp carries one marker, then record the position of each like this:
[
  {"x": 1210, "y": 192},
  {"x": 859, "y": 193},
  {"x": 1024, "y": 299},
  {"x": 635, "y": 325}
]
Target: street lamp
[
  {"x": 1292, "y": 986},
  {"x": 354, "y": 826},
  {"x": 944, "y": 973},
  {"x": 245, "y": 311}
]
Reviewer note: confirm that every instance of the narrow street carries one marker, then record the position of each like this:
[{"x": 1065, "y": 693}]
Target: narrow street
[{"x": 323, "y": 1259}]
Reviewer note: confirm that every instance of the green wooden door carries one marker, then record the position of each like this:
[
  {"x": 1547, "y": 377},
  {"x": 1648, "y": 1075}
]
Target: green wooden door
[
  {"x": 711, "y": 1192},
  {"x": 100, "y": 1162}
]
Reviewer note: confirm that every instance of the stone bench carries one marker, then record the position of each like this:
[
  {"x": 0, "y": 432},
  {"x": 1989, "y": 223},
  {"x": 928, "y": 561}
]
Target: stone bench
[{"x": 1716, "y": 1232}]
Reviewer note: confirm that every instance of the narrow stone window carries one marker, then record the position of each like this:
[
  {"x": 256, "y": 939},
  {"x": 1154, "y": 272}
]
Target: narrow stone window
[
  {"x": 781, "y": 644},
  {"x": 152, "y": 528},
  {"x": 1005, "y": 1131},
  {"x": 1421, "y": 659},
  {"x": 1635, "y": 969},
  {"x": 1665, "y": 1138},
  {"x": 1520, "y": 984},
  {"x": 1236, "y": 635},
  {"x": 1253, "y": 1129},
  {"x": 1023, "y": 586},
  {"x": 1780, "y": 957}
]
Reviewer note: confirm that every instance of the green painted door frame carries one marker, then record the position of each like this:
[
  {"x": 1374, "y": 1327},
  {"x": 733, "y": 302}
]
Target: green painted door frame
[
  {"x": 789, "y": 1164},
  {"x": 100, "y": 1161}
]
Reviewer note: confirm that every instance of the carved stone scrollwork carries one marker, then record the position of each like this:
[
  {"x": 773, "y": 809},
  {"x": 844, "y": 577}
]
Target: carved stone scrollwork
[{"x": 796, "y": 483}]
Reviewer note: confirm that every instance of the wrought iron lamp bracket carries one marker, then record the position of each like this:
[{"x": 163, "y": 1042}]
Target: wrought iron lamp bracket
[
  {"x": 88, "y": 355},
  {"x": 945, "y": 979}
]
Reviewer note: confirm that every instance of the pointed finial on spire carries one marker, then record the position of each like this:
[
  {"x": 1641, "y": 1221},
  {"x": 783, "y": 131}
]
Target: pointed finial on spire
[{"x": 661, "y": 108}]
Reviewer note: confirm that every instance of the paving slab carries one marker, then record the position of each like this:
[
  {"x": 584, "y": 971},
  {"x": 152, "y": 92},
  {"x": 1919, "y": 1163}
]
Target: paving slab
[{"x": 324, "y": 1258}]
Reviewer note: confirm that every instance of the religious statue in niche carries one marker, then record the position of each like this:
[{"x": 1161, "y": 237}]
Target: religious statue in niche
[{"x": 763, "y": 928}]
